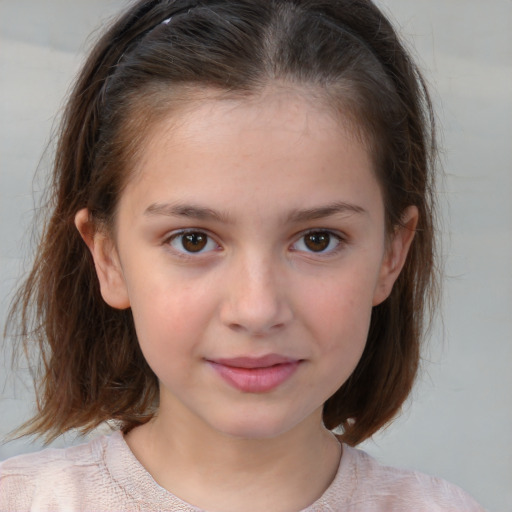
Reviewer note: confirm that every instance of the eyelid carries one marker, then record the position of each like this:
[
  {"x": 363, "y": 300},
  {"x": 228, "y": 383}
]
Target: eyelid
[
  {"x": 340, "y": 237},
  {"x": 170, "y": 237}
]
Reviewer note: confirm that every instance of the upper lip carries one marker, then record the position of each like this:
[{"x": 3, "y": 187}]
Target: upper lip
[{"x": 255, "y": 362}]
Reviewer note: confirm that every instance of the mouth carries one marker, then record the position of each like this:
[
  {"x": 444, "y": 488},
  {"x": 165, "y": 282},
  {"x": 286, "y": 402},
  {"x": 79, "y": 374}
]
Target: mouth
[{"x": 255, "y": 374}]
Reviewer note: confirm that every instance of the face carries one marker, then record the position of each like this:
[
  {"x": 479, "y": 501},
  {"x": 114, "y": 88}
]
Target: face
[{"x": 250, "y": 246}]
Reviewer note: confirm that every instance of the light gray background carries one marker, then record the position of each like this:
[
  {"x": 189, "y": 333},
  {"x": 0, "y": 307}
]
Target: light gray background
[{"x": 459, "y": 422}]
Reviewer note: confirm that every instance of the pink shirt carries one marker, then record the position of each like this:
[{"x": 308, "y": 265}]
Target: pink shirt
[{"x": 104, "y": 475}]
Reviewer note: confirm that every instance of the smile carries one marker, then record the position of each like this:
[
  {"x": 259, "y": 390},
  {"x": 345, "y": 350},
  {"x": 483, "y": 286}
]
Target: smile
[{"x": 255, "y": 375}]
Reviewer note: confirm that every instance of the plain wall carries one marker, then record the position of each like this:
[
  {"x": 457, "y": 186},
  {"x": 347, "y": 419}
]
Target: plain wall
[{"x": 458, "y": 424}]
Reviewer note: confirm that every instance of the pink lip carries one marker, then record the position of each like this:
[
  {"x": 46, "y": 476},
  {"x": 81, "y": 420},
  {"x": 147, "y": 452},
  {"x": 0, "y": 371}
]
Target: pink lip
[{"x": 255, "y": 374}]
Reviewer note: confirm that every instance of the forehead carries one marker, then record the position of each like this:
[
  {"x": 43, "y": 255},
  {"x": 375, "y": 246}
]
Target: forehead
[
  {"x": 279, "y": 149},
  {"x": 282, "y": 110},
  {"x": 160, "y": 108},
  {"x": 254, "y": 116}
]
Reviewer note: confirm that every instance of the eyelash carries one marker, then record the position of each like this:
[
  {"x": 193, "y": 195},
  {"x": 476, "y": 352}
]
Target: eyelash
[
  {"x": 331, "y": 236},
  {"x": 179, "y": 235},
  {"x": 183, "y": 233}
]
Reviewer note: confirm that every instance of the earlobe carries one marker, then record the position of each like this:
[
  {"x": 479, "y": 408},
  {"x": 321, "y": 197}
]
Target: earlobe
[
  {"x": 396, "y": 254},
  {"x": 106, "y": 261}
]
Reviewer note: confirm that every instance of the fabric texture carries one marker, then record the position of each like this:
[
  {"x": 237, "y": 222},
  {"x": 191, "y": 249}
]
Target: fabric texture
[{"x": 104, "y": 475}]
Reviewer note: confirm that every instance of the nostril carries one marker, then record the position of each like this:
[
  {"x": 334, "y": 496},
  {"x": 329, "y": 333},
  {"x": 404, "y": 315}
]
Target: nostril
[
  {"x": 236, "y": 327},
  {"x": 257, "y": 332}
]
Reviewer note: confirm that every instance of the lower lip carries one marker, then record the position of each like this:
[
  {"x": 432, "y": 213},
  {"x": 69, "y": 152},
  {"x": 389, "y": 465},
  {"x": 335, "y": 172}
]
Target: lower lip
[{"x": 256, "y": 380}]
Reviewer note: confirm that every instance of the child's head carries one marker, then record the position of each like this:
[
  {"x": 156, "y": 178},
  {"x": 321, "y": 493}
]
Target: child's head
[{"x": 159, "y": 65}]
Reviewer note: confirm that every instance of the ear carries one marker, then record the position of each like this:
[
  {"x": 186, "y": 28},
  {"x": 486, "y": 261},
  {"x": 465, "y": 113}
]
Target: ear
[
  {"x": 396, "y": 254},
  {"x": 106, "y": 261}
]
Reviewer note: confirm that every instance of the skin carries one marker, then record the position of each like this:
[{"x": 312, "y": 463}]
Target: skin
[{"x": 272, "y": 168}]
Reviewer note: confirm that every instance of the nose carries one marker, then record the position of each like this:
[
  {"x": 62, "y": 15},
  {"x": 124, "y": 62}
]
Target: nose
[{"x": 256, "y": 299}]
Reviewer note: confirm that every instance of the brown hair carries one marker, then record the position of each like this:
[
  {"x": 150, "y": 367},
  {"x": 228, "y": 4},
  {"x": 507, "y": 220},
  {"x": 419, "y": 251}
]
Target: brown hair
[{"x": 92, "y": 369}]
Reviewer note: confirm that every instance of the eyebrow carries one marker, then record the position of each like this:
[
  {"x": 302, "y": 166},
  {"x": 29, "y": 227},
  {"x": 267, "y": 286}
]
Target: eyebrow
[
  {"x": 325, "y": 211},
  {"x": 202, "y": 213},
  {"x": 186, "y": 210}
]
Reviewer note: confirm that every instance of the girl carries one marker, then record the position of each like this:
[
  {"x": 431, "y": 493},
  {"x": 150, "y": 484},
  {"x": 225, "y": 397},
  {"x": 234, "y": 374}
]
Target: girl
[{"x": 237, "y": 265}]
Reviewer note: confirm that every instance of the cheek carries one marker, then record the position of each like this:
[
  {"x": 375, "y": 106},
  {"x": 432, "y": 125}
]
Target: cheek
[
  {"x": 343, "y": 302},
  {"x": 169, "y": 315},
  {"x": 344, "y": 327},
  {"x": 338, "y": 317}
]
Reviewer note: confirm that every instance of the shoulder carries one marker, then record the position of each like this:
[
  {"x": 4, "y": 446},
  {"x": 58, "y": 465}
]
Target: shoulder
[
  {"x": 372, "y": 487},
  {"x": 51, "y": 477}
]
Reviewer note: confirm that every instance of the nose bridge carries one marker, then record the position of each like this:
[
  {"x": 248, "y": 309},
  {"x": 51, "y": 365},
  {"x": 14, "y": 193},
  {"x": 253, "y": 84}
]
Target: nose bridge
[{"x": 256, "y": 299}]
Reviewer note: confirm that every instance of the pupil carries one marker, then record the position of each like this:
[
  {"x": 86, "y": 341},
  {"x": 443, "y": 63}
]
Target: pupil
[
  {"x": 194, "y": 242},
  {"x": 317, "y": 241}
]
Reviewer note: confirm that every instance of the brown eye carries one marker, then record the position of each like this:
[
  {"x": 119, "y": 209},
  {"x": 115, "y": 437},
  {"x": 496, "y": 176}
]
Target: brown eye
[
  {"x": 192, "y": 242},
  {"x": 317, "y": 241}
]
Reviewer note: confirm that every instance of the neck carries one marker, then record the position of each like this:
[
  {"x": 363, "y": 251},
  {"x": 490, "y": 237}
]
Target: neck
[{"x": 218, "y": 472}]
